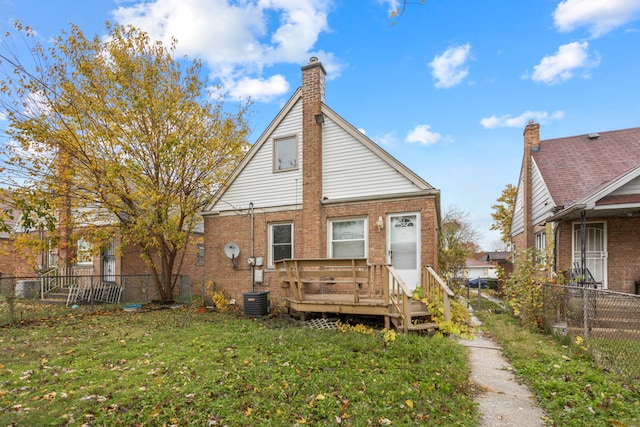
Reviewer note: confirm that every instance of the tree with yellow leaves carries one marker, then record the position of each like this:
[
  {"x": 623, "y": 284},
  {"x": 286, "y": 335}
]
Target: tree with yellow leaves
[
  {"x": 116, "y": 131},
  {"x": 503, "y": 212}
]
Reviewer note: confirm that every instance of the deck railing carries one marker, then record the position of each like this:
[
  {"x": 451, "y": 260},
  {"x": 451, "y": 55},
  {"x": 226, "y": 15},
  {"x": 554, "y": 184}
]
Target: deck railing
[
  {"x": 351, "y": 276},
  {"x": 354, "y": 281},
  {"x": 435, "y": 290},
  {"x": 400, "y": 297}
]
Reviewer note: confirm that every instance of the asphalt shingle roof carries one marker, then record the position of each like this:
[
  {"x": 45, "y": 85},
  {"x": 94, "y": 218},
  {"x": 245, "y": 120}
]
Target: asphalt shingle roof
[{"x": 573, "y": 166}]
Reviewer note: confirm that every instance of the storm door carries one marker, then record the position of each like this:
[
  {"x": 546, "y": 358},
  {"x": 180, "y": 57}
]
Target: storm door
[
  {"x": 403, "y": 246},
  {"x": 595, "y": 246},
  {"x": 108, "y": 263}
]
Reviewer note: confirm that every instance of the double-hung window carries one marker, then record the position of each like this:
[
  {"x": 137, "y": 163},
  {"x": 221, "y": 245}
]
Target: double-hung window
[
  {"x": 200, "y": 254},
  {"x": 285, "y": 154},
  {"x": 541, "y": 247},
  {"x": 84, "y": 256},
  {"x": 348, "y": 238},
  {"x": 280, "y": 242}
]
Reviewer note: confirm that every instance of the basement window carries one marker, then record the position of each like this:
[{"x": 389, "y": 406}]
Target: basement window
[{"x": 285, "y": 154}]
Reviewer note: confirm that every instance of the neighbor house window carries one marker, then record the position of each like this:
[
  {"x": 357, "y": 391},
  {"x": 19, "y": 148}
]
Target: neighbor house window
[
  {"x": 348, "y": 238},
  {"x": 200, "y": 255},
  {"x": 285, "y": 154},
  {"x": 84, "y": 256},
  {"x": 280, "y": 242},
  {"x": 541, "y": 247}
]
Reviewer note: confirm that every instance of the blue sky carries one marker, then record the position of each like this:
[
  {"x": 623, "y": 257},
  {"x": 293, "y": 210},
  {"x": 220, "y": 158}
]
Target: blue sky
[{"x": 446, "y": 88}]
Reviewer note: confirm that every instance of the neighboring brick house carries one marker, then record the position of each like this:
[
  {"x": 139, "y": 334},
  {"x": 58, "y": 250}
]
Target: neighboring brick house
[
  {"x": 7, "y": 254},
  {"x": 578, "y": 201},
  {"x": 313, "y": 186},
  {"x": 501, "y": 260},
  {"x": 111, "y": 263},
  {"x": 108, "y": 264}
]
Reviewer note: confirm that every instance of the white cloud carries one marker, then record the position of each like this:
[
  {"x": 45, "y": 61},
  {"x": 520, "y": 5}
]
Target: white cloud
[
  {"x": 449, "y": 69},
  {"x": 236, "y": 39},
  {"x": 520, "y": 121},
  {"x": 388, "y": 140},
  {"x": 421, "y": 134},
  {"x": 599, "y": 16},
  {"x": 393, "y": 5},
  {"x": 259, "y": 89},
  {"x": 563, "y": 65}
]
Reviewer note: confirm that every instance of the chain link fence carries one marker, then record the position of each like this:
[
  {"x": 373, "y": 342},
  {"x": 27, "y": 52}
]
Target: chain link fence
[
  {"x": 604, "y": 322},
  {"x": 27, "y": 298}
]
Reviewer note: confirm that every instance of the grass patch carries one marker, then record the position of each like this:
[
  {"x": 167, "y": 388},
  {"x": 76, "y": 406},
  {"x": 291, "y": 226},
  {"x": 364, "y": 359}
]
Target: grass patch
[
  {"x": 168, "y": 367},
  {"x": 566, "y": 380}
]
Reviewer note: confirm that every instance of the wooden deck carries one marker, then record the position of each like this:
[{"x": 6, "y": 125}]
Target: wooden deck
[{"x": 352, "y": 286}]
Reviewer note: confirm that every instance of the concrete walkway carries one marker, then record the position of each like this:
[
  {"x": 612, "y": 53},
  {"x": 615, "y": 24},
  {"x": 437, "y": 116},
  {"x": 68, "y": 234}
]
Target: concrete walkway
[{"x": 502, "y": 400}]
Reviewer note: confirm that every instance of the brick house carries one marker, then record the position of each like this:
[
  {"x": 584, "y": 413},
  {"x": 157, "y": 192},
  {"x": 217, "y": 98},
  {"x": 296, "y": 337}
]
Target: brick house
[
  {"x": 109, "y": 264},
  {"x": 578, "y": 202},
  {"x": 313, "y": 186}
]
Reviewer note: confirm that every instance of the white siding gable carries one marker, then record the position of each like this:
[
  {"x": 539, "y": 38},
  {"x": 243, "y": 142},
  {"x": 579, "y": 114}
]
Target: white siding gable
[
  {"x": 541, "y": 201},
  {"x": 517, "y": 221},
  {"x": 257, "y": 183},
  {"x": 351, "y": 169},
  {"x": 631, "y": 187}
]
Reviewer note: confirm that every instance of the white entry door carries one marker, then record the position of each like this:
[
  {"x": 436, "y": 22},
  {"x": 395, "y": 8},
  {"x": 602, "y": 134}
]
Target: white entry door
[
  {"x": 595, "y": 250},
  {"x": 403, "y": 246}
]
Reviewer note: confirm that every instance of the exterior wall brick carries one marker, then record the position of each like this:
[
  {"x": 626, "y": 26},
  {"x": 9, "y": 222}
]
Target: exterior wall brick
[
  {"x": 623, "y": 245},
  {"x": 220, "y": 230}
]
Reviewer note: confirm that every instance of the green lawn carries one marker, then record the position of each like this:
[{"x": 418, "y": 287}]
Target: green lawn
[
  {"x": 566, "y": 380},
  {"x": 168, "y": 367}
]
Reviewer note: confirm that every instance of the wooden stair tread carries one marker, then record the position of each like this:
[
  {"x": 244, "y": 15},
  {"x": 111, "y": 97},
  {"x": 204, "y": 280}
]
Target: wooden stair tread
[{"x": 423, "y": 326}]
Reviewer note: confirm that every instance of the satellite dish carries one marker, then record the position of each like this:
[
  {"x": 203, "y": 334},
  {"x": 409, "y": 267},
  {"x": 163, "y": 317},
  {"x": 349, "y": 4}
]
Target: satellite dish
[{"x": 232, "y": 250}]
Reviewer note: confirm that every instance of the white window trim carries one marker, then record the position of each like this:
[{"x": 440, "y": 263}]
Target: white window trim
[
  {"x": 270, "y": 242},
  {"x": 541, "y": 246},
  {"x": 79, "y": 252},
  {"x": 297, "y": 154},
  {"x": 330, "y": 233}
]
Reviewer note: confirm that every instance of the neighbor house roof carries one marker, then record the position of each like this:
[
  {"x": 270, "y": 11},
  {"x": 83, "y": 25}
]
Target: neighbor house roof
[{"x": 576, "y": 166}]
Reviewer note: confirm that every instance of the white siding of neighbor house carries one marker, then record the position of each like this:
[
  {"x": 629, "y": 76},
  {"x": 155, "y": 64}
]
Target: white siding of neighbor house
[
  {"x": 351, "y": 169},
  {"x": 257, "y": 183},
  {"x": 631, "y": 187},
  {"x": 517, "y": 221},
  {"x": 541, "y": 201}
]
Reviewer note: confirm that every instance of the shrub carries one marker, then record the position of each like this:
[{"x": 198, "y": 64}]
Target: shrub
[{"x": 523, "y": 291}]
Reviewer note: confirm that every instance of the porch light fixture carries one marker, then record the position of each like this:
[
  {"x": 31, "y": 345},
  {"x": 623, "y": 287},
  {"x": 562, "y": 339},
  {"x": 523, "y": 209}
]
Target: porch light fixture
[
  {"x": 380, "y": 223},
  {"x": 319, "y": 118}
]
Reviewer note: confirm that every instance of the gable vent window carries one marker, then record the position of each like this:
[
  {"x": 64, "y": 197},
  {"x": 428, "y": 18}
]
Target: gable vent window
[{"x": 285, "y": 154}]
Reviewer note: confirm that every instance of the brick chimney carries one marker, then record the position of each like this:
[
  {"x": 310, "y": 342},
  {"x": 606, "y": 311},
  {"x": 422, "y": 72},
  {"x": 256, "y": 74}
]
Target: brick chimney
[
  {"x": 531, "y": 144},
  {"x": 313, "y": 77}
]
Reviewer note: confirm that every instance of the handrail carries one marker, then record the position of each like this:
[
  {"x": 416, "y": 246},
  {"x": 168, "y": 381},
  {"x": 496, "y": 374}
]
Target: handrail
[
  {"x": 48, "y": 281},
  {"x": 434, "y": 288},
  {"x": 400, "y": 297}
]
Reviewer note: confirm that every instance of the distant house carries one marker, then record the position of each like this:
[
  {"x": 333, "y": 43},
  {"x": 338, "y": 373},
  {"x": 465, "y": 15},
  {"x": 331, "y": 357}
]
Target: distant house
[
  {"x": 476, "y": 268},
  {"x": 500, "y": 260},
  {"x": 578, "y": 204},
  {"x": 314, "y": 186}
]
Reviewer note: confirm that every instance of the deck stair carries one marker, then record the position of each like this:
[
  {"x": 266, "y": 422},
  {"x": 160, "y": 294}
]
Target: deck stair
[{"x": 419, "y": 318}]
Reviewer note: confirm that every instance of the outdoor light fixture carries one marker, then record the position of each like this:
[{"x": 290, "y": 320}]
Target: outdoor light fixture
[
  {"x": 319, "y": 118},
  {"x": 380, "y": 223}
]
